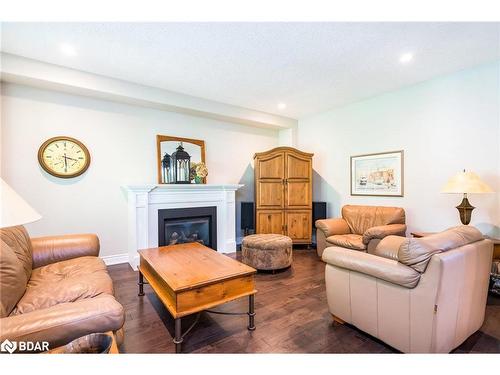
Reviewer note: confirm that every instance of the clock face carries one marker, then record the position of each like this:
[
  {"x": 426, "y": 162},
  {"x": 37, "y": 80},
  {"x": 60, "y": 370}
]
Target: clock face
[{"x": 64, "y": 157}]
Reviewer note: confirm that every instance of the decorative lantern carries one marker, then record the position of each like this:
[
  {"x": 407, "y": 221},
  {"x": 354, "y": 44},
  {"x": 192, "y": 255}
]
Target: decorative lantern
[
  {"x": 166, "y": 168},
  {"x": 180, "y": 163}
]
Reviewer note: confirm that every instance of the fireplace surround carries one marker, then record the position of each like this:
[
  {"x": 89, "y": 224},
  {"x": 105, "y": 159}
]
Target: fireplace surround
[{"x": 145, "y": 201}]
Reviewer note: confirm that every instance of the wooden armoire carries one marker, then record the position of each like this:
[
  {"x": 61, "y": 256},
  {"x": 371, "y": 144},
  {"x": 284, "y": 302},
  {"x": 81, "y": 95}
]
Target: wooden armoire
[{"x": 283, "y": 193}]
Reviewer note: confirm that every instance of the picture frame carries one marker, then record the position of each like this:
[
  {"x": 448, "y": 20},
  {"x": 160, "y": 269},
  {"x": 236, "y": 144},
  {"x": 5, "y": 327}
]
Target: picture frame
[
  {"x": 378, "y": 174},
  {"x": 165, "y": 143}
]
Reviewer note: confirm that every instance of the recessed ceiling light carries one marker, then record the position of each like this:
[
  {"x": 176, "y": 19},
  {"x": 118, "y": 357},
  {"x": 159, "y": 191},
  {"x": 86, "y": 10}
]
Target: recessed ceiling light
[
  {"x": 406, "y": 58},
  {"x": 67, "y": 49},
  {"x": 281, "y": 105}
]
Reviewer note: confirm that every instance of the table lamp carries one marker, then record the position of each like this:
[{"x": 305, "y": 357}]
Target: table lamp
[
  {"x": 13, "y": 209},
  {"x": 466, "y": 183}
]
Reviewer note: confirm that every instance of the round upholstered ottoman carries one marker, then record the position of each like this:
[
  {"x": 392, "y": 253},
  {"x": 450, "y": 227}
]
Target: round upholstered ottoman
[{"x": 267, "y": 251}]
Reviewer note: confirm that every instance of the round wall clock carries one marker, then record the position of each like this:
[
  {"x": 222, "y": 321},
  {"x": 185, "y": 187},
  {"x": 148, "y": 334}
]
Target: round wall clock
[{"x": 64, "y": 157}]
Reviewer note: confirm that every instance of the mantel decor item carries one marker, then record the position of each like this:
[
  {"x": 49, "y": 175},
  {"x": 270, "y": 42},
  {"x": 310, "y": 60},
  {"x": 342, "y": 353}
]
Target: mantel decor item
[
  {"x": 179, "y": 159},
  {"x": 378, "y": 174},
  {"x": 198, "y": 172},
  {"x": 466, "y": 183},
  {"x": 180, "y": 166}
]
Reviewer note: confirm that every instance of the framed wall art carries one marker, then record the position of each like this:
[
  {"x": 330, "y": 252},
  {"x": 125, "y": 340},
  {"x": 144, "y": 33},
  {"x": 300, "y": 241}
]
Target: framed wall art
[{"x": 378, "y": 174}]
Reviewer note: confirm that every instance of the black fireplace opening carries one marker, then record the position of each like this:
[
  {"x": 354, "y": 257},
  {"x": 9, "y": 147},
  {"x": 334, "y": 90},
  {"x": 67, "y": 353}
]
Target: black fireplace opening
[{"x": 184, "y": 225}]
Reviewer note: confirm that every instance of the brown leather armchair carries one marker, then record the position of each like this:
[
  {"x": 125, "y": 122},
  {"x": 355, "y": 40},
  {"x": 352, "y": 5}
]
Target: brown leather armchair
[
  {"x": 360, "y": 228},
  {"x": 54, "y": 289}
]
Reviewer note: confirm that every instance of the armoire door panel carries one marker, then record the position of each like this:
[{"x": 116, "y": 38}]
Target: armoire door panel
[
  {"x": 270, "y": 194},
  {"x": 298, "y": 194},
  {"x": 298, "y": 167},
  {"x": 269, "y": 222},
  {"x": 272, "y": 166},
  {"x": 298, "y": 225}
]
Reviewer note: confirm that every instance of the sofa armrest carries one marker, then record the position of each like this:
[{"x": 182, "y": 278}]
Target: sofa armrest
[
  {"x": 47, "y": 250},
  {"x": 331, "y": 227},
  {"x": 382, "y": 268},
  {"x": 382, "y": 231},
  {"x": 389, "y": 247},
  {"x": 65, "y": 322}
]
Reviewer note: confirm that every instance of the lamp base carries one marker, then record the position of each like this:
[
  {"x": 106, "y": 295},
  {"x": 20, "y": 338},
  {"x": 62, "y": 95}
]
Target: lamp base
[{"x": 465, "y": 210}]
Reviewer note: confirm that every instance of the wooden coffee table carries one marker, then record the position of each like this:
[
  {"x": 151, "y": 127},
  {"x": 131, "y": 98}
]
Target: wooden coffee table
[{"x": 191, "y": 278}]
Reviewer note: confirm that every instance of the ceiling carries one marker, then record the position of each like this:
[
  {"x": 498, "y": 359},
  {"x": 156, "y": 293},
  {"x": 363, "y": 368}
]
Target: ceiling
[{"x": 311, "y": 67}]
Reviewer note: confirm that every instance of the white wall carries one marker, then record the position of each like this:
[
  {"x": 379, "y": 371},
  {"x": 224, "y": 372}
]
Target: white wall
[
  {"x": 288, "y": 137},
  {"x": 443, "y": 126},
  {"x": 122, "y": 143}
]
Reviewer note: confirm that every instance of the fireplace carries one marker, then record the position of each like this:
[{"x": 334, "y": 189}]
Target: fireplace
[
  {"x": 184, "y": 225},
  {"x": 145, "y": 201}
]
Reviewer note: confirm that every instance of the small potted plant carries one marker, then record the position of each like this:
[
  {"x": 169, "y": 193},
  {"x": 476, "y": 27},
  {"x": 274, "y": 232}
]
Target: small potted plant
[{"x": 198, "y": 172}]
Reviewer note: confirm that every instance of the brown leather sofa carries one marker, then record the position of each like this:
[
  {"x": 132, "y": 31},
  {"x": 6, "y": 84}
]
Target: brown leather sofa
[
  {"x": 425, "y": 295},
  {"x": 54, "y": 289},
  {"x": 360, "y": 228}
]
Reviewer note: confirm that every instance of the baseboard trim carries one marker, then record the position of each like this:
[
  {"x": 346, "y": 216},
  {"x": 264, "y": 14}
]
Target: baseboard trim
[{"x": 110, "y": 260}]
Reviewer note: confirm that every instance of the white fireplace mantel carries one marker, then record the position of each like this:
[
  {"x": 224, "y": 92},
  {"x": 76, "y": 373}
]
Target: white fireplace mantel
[{"x": 144, "y": 201}]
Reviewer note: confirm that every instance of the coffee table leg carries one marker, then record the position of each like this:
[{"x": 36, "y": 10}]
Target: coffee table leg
[
  {"x": 251, "y": 312},
  {"x": 178, "y": 335},
  {"x": 141, "y": 284}
]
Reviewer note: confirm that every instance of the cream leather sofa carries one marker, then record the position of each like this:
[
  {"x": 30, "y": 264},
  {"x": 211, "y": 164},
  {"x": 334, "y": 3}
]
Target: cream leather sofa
[
  {"x": 360, "y": 227},
  {"x": 423, "y": 295}
]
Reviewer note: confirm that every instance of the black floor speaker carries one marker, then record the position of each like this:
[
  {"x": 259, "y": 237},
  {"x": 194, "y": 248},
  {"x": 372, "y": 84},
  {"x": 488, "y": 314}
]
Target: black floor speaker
[
  {"x": 247, "y": 217},
  {"x": 319, "y": 211}
]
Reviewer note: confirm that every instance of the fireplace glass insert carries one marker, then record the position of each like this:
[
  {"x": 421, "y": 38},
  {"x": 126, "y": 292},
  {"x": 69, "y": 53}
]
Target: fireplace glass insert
[{"x": 183, "y": 225}]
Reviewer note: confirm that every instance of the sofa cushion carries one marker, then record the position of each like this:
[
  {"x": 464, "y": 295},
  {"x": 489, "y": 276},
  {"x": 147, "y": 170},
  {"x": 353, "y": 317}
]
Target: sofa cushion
[
  {"x": 52, "y": 249},
  {"x": 17, "y": 239},
  {"x": 389, "y": 247},
  {"x": 361, "y": 218},
  {"x": 13, "y": 279},
  {"x": 350, "y": 241},
  {"x": 67, "y": 281},
  {"x": 416, "y": 252}
]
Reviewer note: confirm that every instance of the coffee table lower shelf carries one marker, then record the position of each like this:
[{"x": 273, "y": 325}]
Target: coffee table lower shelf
[{"x": 182, "y": 302}]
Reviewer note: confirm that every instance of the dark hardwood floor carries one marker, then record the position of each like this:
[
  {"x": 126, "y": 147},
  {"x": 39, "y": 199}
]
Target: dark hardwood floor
[{"x": 292, "y": 317}]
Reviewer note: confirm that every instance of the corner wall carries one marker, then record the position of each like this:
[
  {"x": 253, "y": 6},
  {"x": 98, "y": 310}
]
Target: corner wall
[
  {"x": 122, "y": 141},
  {"x": 443, "y": 125}
]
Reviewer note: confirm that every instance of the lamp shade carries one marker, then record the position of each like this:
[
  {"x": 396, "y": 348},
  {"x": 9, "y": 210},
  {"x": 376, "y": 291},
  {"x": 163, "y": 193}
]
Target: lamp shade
[
  {"x": 13, "y": 209},
  {"x": 466, "y": 182}
]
